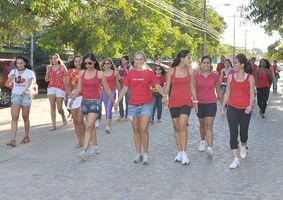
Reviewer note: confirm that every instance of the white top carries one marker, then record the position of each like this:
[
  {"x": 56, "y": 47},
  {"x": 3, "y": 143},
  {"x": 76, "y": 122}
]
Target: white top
[{"x": 22, "y": 80}]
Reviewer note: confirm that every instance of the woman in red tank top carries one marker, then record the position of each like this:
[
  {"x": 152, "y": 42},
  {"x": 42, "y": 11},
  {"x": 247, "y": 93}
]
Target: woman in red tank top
[
  {"x": 240, "y": 97},
  {"x": 108, "y": 68},
  {"x": 55, "y": 75},
  {"x": 263, "y": 79},
  {"x": 180, "y": 78},
  {"x": 89, "y": 83}
]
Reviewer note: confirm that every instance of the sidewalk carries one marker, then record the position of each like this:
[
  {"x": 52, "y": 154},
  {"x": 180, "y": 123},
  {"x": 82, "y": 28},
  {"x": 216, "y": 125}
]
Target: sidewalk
[{"x": 49, "y": 168}]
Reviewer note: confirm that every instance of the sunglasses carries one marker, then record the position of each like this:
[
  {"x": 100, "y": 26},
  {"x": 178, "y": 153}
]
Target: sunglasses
[
  {"x": 88, "y": 63},
  {"x": 106, "y": 63},
  {"x": 18, "y": 79}
]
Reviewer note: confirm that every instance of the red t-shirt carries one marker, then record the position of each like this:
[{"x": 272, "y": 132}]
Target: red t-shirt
[
  {"x": 205, "y": 87},
  {"x": 240, "y": 93},
  {"x": 123, "y": 73},
  {"x": 73, "y": 75},
  {"x": 262, "y": 79},
  {"x": 219, "y": 67},
  {"x": 91, "y": 87},
  {"x": 180, "y": 91},
  {"x": 139, "y": 83},
  {"x": 226, "y": 73},
  {"x": 162, "y": 80}
]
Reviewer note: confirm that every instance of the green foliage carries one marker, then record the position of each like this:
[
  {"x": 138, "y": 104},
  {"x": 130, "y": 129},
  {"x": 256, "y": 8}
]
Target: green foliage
[
  {"x": 109, "y": 28},
  {"x": 267, "y": 13}
]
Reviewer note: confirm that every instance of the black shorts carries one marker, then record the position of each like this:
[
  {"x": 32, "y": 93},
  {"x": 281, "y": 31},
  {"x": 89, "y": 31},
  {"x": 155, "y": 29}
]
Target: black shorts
[
  {"x": 206, "y": 110},
  {"x": 177, "y": 111}
]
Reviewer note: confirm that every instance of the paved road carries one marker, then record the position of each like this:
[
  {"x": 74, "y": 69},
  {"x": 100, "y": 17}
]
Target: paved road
[{"x": 49, "y": 168}]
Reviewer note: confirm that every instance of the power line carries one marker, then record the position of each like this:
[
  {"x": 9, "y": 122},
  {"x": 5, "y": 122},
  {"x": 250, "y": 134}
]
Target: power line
[{"x": 190, "y": 21}]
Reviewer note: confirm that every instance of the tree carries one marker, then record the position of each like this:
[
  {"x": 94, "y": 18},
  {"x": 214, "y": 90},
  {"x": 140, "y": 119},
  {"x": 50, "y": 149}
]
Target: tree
[
  {"x": 268, "y": 13},
  {"x": 110, "y": 28}
]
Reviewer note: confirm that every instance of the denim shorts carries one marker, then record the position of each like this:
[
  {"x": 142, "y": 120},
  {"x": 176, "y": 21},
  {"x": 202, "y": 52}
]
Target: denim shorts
[
  {"x": 139, "y": 110},
  {"x": 23, "y": 100},
  {"x": 91, "y": 106}
]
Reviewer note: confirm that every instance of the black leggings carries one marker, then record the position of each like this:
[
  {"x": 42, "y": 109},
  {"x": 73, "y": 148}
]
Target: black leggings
[
  {"x": 262, "y": 97},
  {"x": 235, "y": 118}
]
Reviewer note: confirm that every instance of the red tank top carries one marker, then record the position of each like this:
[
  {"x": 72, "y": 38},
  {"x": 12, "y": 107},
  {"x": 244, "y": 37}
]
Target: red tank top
[
  {"x": 57, "y": 78},
  {"x": 180, "y": 91},
  {"x": 239, "y": 93},
  {"x": 111, "y": 81},
  {"x": 262, "y": 79},
  {"x": 91, "y": 87}
]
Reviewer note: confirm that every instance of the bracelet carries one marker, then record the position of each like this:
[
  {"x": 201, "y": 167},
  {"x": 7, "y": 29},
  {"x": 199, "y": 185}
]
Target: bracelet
[{"x": 195, "y": 101}]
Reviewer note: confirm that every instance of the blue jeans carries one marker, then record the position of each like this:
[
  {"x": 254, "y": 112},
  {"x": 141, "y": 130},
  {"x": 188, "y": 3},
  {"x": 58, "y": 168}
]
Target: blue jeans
[
  {"x": 157, "y": 105},
  {"x": 121, "y": 105},
  {"x": 223, "y": 89}
]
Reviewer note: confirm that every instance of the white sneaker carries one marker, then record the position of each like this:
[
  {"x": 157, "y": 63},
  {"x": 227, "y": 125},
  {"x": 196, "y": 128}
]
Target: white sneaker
[
  {"x": 84, "y": 155},
  {"x": 92, "y": 150},
  {"x": 138, "y": 158},
  {"x": 145, "y": 160},
  {"x": 108, "y": 129},
  {"x": 243, "y": 150},
  {"x": 97, "y": 122},
  {"x": 209, "y": 152},
  {"x": 178, "y": 158},
  {"x": 235, "y": 163},
  {"x": 185, "y": 159},
  {"x": 202, "y": 146}
]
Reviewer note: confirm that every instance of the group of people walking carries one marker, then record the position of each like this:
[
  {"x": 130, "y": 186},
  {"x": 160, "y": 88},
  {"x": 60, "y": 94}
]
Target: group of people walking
[{"x": 88, "y": 83}]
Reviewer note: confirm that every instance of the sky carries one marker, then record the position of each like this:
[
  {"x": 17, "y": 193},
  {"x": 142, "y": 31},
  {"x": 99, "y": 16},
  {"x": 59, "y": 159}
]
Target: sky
[{"x": 255, "y": 34}]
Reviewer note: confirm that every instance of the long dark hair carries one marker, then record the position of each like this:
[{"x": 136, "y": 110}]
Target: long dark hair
[
  {"x": 25, "y": 59},
  {"x": 247, "y": 65},
  {"x": 163, "y": 72},
  {"x": 72, "y": 63},
  {"x": 177, "y": 59},
  {"x": 92, "y": 57},
  {"x": 267, "y": 63}
]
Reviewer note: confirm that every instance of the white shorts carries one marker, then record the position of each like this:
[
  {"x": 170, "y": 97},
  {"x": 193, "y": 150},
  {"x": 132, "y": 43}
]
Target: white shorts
[{"x": 56, "y": 91}]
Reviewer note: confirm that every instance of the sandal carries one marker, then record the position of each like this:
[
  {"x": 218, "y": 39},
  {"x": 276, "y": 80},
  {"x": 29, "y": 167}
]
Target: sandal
[
  {"x": 12, "y": 143},
  {"x": 65, "y": 122},
  {"x": 78, "y": 146},
  {"x": 25, "y": 140},
  {"x": 52, "y": 128}
]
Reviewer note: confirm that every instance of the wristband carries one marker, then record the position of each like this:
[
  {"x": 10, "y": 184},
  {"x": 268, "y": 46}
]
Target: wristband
[{"x": 195, "y": 101}]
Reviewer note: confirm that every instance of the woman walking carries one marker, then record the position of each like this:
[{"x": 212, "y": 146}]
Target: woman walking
[
  {"x": 224, "y": 74},
  {"x": 180, "y": 78},
  {"x": 123, "y": 72},
  {"x": 112, "y": 77},
  {"x": 263, "y": 79},
  {"x": 55, "y": 73},
  {"x": 206, "y": 83},
  {"x": 71, "y": 85},
  {"x": 157, "y": 98},
  {"x": 89, "y": 83},
  {"x": 240, "y": 97},
  {"x": 22, "y": 79},
  {"x": 139, "y": 81}
]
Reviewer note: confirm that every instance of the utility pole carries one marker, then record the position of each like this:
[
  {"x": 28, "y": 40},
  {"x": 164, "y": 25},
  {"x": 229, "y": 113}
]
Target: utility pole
[
  {"x": 246, "y": 31},
  {"x": 234, "y": 37},
  {"x": 31, "y": 50},
  {"x": 205, "y": 28}
]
